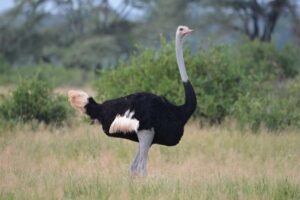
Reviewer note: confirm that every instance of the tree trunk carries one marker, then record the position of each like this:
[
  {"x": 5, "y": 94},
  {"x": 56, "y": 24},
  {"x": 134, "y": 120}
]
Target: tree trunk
[
  {"x": 271, "y": 19},
  {"x": 296, "y": 22}
]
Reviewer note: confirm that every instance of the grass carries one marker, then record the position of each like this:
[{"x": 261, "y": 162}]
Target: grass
[{"x": 80, "y": 162}]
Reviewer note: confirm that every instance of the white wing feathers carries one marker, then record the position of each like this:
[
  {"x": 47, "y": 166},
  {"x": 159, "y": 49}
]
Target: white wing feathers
[{"x": 124, "y": 123}]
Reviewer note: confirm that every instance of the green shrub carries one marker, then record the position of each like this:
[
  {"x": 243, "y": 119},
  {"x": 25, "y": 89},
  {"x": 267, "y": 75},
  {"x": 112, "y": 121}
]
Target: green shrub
[
  {"x": 267, "y": 62},
  {"x": 271, "y": 112},
  {"x": 33, "y": 100},
  {"x": 271, "y": 100},
  {"x": 238, "y": 81},
  {"x": 217, "y": 79},
  {"x": 147, "y": 72}
]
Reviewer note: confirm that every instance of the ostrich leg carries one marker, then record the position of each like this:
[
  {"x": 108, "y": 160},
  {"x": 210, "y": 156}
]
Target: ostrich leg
[
  {"x": 139, "y": 165},
  {"x": 135, "y": 162}
]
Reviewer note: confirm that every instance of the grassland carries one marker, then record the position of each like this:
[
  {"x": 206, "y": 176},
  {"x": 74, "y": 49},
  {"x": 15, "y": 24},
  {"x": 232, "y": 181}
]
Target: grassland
[{"x": 80, "y": 162}]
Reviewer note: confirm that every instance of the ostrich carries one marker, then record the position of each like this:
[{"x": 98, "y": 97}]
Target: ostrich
[{"x": 143, "y": 117}]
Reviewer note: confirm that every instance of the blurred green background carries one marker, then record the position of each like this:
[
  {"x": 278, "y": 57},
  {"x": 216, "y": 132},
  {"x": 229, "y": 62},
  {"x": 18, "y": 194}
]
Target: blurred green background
[
  {"x": 243, "y": 57},
  {"x": 91, "y": 34}
]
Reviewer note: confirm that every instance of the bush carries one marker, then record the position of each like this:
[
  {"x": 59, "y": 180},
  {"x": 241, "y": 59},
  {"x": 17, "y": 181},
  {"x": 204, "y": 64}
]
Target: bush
[
  {"x": 272, "y": 102},
  {"x": 33, "y": 100},
  {"x": 271, "y": 112},
  {"x": 267, "y": 61},
  {"x": 216, "y": 79},
  {"x": 239, "y": 81}
]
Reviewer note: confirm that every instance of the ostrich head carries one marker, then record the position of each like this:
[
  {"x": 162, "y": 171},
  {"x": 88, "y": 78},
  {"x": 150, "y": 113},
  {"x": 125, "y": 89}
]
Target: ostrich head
[{"x": 183, "y": 31}]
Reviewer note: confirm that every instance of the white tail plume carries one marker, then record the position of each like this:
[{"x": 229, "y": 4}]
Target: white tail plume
[{"x": 78, "y": 99}]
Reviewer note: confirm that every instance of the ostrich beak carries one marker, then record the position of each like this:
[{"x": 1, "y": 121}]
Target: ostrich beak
[{"x": 187, "y": 31}]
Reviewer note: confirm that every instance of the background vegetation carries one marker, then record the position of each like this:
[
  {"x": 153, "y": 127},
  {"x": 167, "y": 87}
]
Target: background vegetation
[
  {"x": 248, "y": 72},
  {"x": 75, "y": 33},
  {"x": 252, "y": 82},
  {"x": 33, "y": 100}
]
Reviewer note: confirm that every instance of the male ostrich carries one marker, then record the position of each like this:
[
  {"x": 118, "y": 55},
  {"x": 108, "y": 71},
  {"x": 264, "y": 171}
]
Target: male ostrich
[{"x": 143, "y": 117}]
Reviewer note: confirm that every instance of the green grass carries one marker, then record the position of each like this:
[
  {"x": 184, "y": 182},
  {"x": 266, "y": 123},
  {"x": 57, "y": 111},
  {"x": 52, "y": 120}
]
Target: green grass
[{"x": 80, "y": 162}]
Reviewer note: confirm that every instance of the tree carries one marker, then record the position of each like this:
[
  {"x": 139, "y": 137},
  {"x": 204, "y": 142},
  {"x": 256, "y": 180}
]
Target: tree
[
  {"x": 19, "y": 35},
  {"x": 257, "y": 19},
  {"x": 31, "y": 32},
  {"x": 296, "y": 21}
]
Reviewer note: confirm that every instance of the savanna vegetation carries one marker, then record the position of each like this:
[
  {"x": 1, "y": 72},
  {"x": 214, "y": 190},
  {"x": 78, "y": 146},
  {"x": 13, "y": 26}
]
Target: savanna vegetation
[
  {"x": 241, "y": 90},
  {"x": 252, "y": 83},
  {"x": 243, "y": 61}
]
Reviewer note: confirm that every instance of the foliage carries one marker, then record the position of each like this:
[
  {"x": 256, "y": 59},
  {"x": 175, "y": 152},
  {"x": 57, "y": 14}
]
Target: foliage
[
  {"x": 56, "y": 75},
  {"x": 267, "y": 62},
  {"x": 74, "y": 35},
  {"x": 33, "y": 100},
  {"x": 268, "y": 111},
  {"x": 81, "y": 33},
  {"x": 85, "y": 54},
  {"x": 261, "y": 25},
  {"x": 4, "y": 66},
  {"x": 271, "y": 102},
  {"x": 239, "y": 81}
]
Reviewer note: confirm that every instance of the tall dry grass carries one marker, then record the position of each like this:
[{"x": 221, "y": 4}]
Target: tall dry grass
[{"x": 80, "y": 162}]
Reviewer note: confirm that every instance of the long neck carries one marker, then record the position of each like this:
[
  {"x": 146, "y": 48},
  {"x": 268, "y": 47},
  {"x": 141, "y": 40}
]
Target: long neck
[
  {"x": 190, "y": 97},
  {"x": 180, "y": 61}
]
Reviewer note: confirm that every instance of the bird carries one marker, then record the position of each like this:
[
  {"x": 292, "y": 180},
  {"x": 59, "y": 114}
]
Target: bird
[{"x": 143, "y": 117}]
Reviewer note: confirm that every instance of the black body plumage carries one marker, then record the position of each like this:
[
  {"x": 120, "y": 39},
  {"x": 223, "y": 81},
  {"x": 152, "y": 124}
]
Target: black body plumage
[{"x": 151, "y": 111}]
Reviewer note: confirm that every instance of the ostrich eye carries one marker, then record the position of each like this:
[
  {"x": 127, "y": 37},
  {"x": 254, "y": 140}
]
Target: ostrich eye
[{"x": 181, "y": 29}]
